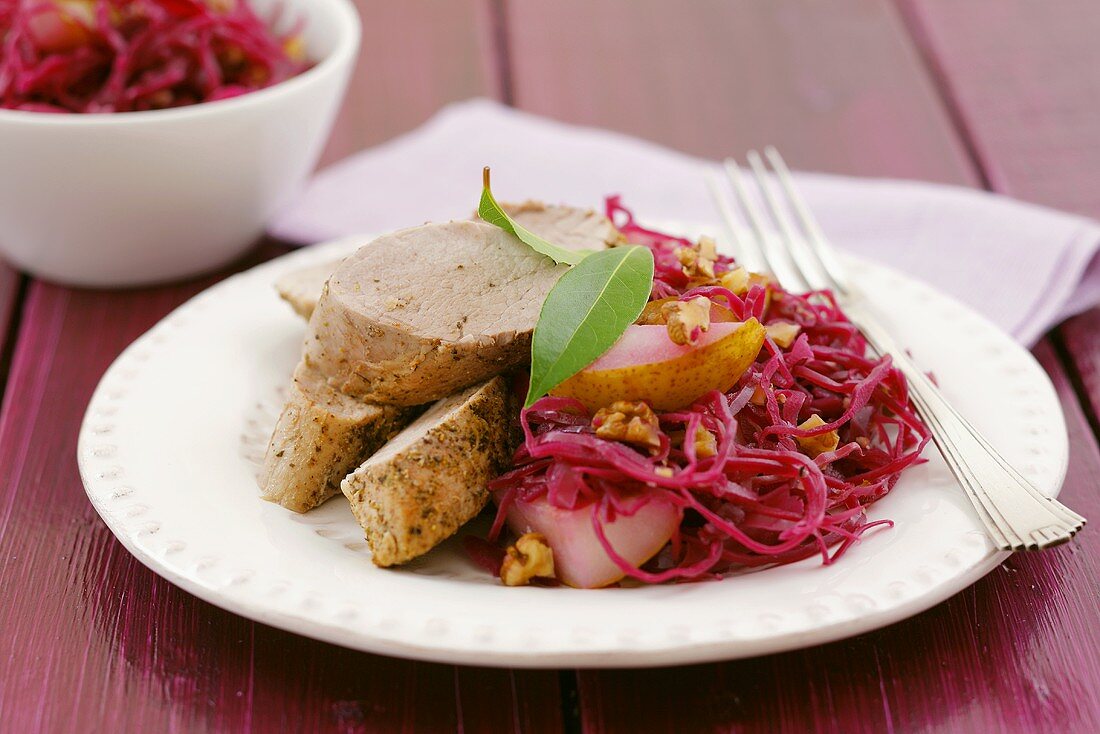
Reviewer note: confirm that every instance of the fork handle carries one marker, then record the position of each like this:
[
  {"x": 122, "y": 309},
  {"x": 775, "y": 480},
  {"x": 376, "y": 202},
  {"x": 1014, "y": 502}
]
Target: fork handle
[{"x": 1016, "y": 514}]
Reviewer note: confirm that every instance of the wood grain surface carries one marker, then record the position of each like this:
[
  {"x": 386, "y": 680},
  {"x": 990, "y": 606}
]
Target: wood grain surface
[
  {"x": 1002, "y": 92},
  {"x": 838, "y": 86},
  {"x": 93, "y": 641},
  {"x": 416, "y": 55},
  {"x": 11, "y": 284},
  {"x": 1016, "y": 652},
  {"x": 932, "y": 652},
  {"x": 1081, "y": 340},
  {"x": 1023, "y": 80}
]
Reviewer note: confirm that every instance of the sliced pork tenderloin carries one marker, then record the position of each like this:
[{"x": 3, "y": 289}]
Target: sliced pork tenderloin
[
  {"x": 320, "y": 437},
  {"x": 567, "y": 226},
  {"x": 409, "y": 319},
  {"x": 432, "y": 477},
  {"x": 420, "y": 313},
  {"x": 302, "y": 288}
]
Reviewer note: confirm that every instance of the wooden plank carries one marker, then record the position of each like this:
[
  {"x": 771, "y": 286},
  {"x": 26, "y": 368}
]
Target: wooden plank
[
  {"x": 10, "y": 284},
  {"x": 1081, "y": 337},
  {"x": 416, "y": 56},
  {"x": 1024, "y": 81},
  {"x": 1016, "y": 652},
  {"x": 95, "y": 641},
  {"x": 842, "y": 87},
  {"x": 835, "y": 85}
]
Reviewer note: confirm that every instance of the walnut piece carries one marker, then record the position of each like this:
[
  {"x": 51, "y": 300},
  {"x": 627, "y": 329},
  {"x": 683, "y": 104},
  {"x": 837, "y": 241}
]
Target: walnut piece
[
  {"x": 740, "y": 280},
  {"x": 736, "y": 280},
  {"x": 628, "y": 422},
  {"x": 783, "y": 333},
  {"x": 652, "y": 313},
  {"x": 686, "y": 320},
  {"x": 708, "y": 249},
  {"x": 528, "y": 558},
  {"x": 706, "y": 445},
  {"x": 814, "y": 445},
  {"x": 697, "y": 261}
]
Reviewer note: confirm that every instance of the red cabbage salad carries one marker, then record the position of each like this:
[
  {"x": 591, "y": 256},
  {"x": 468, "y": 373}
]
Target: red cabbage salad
[
  {"x": 777, "y": 458},
  {"x": 130, "y": 55}
]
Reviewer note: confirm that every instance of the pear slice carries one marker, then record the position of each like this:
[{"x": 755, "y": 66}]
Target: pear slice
[
  {"x": 646, "y": 365},
  {"x": 579, "y": 558}
]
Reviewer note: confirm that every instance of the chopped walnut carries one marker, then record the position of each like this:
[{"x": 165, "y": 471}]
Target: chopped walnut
[
  {"x": 783, "y": 333},
  {"x": 231, "y": 55},
  {"x": 687, "y": 256},
  {"x": 814, "y": 445},
  {"x": 161, "y": 99},
  {"x": 736, "y": 281},
  {"x": 706, "y": 445},
  {"x": 294, "y": 46},
  {"x": 634, "y": 423},
  {"x": 528, "y": 558},
  {"x": 687, "y": 319},
  {"x": 708, "y": 249},
  {"x": 759, "y": 397},
  {"x": 653, "y": 313},
  {"x": 740, "y": 280},
  {"x": 695, "y": 264},
  {"x": 760, "y": 279}
]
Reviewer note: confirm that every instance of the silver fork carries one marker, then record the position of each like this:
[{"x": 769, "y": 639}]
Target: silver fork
[{"x": 1016, "y": 515}]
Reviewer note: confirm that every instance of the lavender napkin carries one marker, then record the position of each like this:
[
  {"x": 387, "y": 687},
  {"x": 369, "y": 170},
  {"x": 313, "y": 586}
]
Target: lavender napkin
[{"x": 1025, "y": 267}]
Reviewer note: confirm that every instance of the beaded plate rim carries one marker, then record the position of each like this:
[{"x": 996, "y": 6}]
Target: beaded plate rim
[{"x": 198, "y": 565}]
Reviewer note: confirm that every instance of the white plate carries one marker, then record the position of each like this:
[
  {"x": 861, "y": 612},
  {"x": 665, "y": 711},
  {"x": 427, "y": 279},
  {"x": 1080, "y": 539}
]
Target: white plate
[{"x": 169, "y": 449}]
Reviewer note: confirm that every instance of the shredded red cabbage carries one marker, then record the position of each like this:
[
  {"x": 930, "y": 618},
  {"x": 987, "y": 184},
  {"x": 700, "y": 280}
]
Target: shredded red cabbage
[
  {"x": 759, "y": 500},
  {"x": 129, "y": 55}
]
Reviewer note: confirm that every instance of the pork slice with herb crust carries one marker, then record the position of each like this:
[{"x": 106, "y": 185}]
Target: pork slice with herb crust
[
  {"x": 420, "y": 313},
  {"x": 432, "y": 477},
  {"x": 302, "y": 288},
  {"x": 320, "y": 437},
  {"x": 567, "y": 226},
  {"x": 408, "y": 319}
]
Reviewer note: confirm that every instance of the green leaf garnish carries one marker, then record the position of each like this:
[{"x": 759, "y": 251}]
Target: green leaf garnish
[
  {"x": 586, "y": 312},
  {"x": 490, "y": 211}
]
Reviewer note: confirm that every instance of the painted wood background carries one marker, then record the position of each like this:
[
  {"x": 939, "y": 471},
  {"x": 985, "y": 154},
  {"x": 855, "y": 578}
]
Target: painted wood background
[{"x": 1003, "y": 94}]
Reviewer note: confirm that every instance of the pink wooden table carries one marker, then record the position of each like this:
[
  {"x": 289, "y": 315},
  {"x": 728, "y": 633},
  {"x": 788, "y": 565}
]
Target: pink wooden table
[{"x": 1003, "y": 94}]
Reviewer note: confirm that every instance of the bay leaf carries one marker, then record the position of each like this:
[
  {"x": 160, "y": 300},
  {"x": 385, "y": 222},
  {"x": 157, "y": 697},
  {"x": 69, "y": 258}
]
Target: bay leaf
[
  {"x": 586, "y": 312},
  {"x": 493, "y": 213}
]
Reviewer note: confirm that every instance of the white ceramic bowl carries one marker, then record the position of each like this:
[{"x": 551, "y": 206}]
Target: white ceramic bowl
[{"x": 143, "y": 197}]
